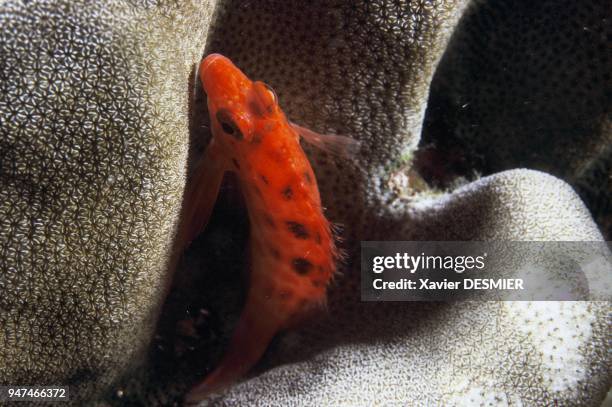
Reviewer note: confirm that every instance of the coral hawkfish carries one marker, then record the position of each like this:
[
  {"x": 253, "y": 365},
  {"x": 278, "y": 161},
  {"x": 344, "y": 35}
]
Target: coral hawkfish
[{"x": 292, "y": 251}]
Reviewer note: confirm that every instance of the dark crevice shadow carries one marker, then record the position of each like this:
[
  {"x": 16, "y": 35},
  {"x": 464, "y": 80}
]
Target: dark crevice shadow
[
  {"x": 205, "y": 294},
  {"x": 327, "y": 332},
  {"x": 199, "y": 122}
]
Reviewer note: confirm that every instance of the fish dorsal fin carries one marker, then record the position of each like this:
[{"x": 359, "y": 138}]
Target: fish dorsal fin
[{"x": 334, "y": 144}]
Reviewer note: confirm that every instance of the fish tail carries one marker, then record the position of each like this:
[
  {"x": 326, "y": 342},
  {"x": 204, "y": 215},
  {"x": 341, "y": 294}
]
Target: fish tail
[{"x": 250, "y": 340}]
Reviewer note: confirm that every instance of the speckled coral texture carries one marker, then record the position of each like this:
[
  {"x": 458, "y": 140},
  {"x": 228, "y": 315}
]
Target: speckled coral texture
[
  {"x": 93, "y": 143},
  {"x": 95, "y": 121}
]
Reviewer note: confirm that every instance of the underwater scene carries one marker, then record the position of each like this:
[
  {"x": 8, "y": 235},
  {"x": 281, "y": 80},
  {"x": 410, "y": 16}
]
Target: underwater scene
[{"x": 292, "y": 203}]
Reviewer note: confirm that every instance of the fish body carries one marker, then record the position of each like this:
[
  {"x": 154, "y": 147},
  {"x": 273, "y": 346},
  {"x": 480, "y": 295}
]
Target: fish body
[{"x": 293, "y": 255}]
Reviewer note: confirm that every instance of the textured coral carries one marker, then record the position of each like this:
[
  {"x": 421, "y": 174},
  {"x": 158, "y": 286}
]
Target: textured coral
[
  {"x": 94, "y": 129},
  {"x": 93, "y": 143},
  {"x": 527, "y": 84}
]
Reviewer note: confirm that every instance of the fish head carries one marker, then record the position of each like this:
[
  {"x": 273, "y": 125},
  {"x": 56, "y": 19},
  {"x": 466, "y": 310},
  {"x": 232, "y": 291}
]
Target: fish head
[{"x": 241, "y": 110}]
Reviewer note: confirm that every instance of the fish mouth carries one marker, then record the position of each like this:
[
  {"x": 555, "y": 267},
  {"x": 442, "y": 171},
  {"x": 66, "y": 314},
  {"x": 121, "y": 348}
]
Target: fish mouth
[
  {"x": 222, "y": 79},
  {"x": 209, "y": 60},
  {"x": 211, "y": 67}
]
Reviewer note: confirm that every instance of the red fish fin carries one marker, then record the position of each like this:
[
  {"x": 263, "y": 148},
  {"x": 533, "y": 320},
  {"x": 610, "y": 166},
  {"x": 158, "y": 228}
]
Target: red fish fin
[
  {"x": 249, "y": 342},
  {"x": 331, "y": 143},
  {"x": 201, "y": 193}
]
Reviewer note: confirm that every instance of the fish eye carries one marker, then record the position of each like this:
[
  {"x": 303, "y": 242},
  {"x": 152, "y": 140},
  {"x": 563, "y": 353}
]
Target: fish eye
[
  {"x": 266, "y": 95},
  {"x": 227, "y": 128},
  {"x": 228, "y": 125}
]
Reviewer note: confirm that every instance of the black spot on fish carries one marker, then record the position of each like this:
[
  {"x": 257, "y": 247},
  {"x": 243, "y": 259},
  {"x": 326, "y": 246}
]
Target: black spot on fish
[
  {"x": 287, "y": 193},
  {"x": 318, "y": 238},
  {"x": 301, "y": 265},
  {"x": 236, "y": 163},
  {"x": 264, "y": 179},
  {"x": 298, "y": 230}
]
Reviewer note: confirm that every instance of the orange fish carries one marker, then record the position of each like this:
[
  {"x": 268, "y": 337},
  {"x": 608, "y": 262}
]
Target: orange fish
[{"x": 293, "y": 255}]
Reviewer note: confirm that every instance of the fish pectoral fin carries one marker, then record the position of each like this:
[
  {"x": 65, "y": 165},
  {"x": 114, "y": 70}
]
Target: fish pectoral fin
[
  {"x": 201, "y": 194},
  {"x": 334, "y": 144}
]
